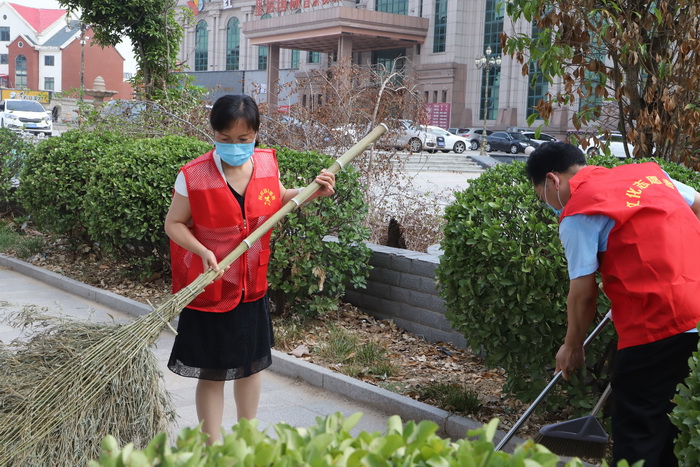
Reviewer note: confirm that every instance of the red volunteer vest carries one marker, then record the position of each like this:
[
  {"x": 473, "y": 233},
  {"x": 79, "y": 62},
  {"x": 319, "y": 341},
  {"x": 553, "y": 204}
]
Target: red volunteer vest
[
  {"x": 651, "y": 270},
  {"x": 217, "y": 222}
]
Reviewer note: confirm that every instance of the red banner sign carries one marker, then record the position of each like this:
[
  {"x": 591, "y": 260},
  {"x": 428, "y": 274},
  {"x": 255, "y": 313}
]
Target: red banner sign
[{"x": 439, "y": 114}]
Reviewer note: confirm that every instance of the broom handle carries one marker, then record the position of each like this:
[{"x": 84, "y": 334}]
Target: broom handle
[
  {"x": 550, "y": 386},
  {"x": 601, "y": 401},
  {"x": 302, "y": 196}
]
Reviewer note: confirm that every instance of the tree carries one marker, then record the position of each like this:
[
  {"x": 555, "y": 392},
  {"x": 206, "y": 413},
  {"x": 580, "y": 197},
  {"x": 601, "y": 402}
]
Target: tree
[
  {"x": 638, "y": 57},
  {"x": 152, "y": 27}
]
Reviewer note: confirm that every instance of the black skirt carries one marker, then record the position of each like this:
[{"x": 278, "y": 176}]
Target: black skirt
[{"x": 223, "y": 346}]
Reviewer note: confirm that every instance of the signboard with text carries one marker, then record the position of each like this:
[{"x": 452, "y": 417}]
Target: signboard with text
[
  {"x": 41, "y": 96},
  {"x": 263, "y": 7},
  {"x": 439, "y": 114}
]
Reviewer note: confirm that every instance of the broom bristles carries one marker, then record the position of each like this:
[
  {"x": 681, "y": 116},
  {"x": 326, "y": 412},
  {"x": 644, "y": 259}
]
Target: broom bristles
[
  {"x": 581, "y": 437},
  {"x": 572, "y": 448}
]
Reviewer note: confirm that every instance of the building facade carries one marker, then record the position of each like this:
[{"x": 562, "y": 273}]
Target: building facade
[
  {"x": 439, "y": 40},
  {"x": 42, "y": 50}
]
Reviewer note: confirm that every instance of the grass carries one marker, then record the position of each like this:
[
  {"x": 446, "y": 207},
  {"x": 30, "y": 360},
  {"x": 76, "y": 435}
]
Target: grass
[
  {"x": 24, "y": 246},
  {"x": 355, "y": 358},
  {"x": 453, "y": 397},
  {"x": 288, "y": 331}
]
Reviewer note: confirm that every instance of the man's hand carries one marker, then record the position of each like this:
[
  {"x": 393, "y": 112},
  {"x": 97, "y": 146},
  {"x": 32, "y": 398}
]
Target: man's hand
[{"x": 569, "y": 359}]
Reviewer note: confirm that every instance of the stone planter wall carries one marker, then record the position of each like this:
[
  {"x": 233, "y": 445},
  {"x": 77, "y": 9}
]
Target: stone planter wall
[{"x": 401, "y": 287}]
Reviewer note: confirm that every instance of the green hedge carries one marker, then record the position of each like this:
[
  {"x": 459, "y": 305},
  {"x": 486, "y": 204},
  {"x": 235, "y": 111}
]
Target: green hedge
[
  {"x": 307, "y": 275},
  {"x": 329, "y": 443},
  {"x": 56, "y": 175},
  {"x": 128, "y": 196},
  {"x": 13, "y": 151},
  {"x": 504, "y": 280}
]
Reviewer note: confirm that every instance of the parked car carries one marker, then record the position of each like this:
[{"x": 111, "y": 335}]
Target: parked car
[
  {"x": 126, "y": 109},
  {"x": 25, "y": 115},
  {"x": 415, "y": 137},
  {"x": 544, "y": 137},
  {"x": 614, "y": 142},
  {"x": 473, "y": 136},
  {"x": 448, "y": 142},
  {"x": 511, "y": 141}
]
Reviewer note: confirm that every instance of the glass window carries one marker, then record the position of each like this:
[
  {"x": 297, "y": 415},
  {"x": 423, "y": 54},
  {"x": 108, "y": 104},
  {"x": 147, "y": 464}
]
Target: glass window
[
  {"x": 314, "y": 57},
  {"x": 385, "y": 60},
  {"x": 4, "y": 59},
  {"x": 538, "y": 86},
  {"x": 48, "y": 84},
  {"x": 295, "y": 59},
  {"x": 21, "y": 71},
  {"x": 233, "y": 44},
  {"x": 201, "y": 47},
  {"x": 48, "y": 60},
  {"x": 490, "y": 89},
  {"x": 399, "y": 7},
  {"x": 262, "y": 57},
  {"x": 4, "y": 34},
  {"x": 440, "y": 27}
]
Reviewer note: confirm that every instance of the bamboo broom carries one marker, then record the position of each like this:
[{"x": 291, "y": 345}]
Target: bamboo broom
[{"x": 72, "y": 387}]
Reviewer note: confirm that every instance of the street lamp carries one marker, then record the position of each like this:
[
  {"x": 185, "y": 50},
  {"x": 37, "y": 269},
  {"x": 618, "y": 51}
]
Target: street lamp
[
  {"x": 83, "y": 40},
  {"x": 487, "y": 62}
]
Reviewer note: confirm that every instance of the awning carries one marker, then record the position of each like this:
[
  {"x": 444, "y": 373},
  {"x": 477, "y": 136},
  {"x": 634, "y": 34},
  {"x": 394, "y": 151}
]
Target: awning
[{"x": 321, "y": 30}]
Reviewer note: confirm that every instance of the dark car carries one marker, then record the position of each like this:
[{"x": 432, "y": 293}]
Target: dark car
[{"x": 510, "y": 141}]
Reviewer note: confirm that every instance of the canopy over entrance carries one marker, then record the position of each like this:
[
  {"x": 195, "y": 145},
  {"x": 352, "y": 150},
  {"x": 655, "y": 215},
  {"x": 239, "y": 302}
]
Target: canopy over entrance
[{"x": 322, "y": 30}]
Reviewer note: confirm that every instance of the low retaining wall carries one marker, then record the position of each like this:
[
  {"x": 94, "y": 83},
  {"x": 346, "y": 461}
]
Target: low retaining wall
[{"x": 401, "y": 287}]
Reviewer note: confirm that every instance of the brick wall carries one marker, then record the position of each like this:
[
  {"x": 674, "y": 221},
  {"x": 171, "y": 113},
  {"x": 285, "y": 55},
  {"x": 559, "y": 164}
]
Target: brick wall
[{"x": 401, "y": 287}]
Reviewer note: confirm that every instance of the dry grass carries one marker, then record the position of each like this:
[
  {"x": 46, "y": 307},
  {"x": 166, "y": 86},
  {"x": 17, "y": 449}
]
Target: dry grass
[{"x": 133, "y": 406}]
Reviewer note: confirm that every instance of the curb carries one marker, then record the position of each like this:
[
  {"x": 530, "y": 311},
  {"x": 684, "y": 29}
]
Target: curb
[{"x": 450, "y": 425}]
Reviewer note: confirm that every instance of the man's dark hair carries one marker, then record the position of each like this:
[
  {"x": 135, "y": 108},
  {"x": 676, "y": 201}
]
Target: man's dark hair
[
  {"x": 556, "y": 156},
  {"x": 231, "y": 108}
]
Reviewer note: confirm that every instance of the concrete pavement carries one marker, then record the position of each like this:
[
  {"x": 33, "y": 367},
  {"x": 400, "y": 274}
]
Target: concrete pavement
[{"x": 294, "y": 391}]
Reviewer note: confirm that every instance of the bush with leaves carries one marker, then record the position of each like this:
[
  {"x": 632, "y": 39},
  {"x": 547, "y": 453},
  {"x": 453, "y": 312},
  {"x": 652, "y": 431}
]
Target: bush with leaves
[
  {"x": 504, "y": 280},
  {"x": 13, "y": 151},
  {"x": 686, "y": 416},
  {"x": 55, "y": 177},
  {"x": 329, "y": 443},
  {"x": 129, "y": 194},
  {"x": 308, "y": 275}
]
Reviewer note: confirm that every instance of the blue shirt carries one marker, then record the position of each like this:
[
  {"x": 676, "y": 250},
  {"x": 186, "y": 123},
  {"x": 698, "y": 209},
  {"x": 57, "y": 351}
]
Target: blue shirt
[{"x": 583, "y": 236}]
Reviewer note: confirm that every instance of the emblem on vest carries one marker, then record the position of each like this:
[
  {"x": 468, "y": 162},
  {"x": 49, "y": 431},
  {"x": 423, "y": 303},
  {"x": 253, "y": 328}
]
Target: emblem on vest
[{"x": 267, "y": 197}]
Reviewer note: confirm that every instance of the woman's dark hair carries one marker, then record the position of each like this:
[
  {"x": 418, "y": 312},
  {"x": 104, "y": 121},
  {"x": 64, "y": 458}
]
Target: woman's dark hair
[
  {"x": 556, "y": 156},
  {"x": 231, "y": 108}
]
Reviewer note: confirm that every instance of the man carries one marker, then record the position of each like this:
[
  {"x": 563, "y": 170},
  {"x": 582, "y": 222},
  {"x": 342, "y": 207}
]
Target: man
[{"x": 641, "y": 230}]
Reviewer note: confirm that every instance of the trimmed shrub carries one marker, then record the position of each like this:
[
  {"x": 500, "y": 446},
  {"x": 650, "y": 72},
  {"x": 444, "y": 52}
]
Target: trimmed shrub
[
  {"x": 13, "y": 151},
  {"x": 504, "y": 280},
  {"x": 308, "y": 275},
  {"x": 330, "y": 443},
  {"x": 128, "y": 196},
  {"x": 56, "y": 175}
]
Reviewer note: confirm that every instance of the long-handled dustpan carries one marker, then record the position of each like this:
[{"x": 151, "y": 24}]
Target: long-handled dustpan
[
  {"x": 580, "y": 437},
  {"x": 72, "y": 387},
  {"x": 549, "y": 386}
]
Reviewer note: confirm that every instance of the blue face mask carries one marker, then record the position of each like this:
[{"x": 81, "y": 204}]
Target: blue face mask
[
  {"x": 557, "y": 212},
  {"x": 235, "y": 154}
]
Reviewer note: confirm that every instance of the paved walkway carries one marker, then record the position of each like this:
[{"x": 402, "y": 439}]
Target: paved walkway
[{"x": 294, "y": 391}]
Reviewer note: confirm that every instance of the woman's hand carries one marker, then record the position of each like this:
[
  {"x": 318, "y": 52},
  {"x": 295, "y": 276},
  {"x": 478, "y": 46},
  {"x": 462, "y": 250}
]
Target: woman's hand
[
  {"x": 209, "y": 262},
  {"x": 327, "y": 181}
]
